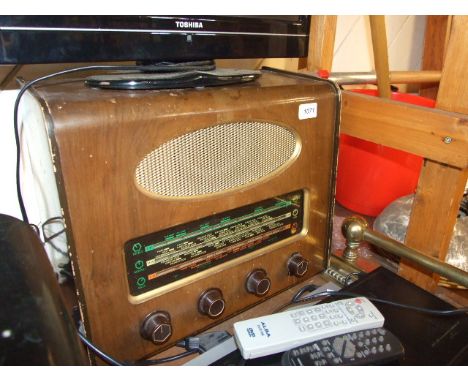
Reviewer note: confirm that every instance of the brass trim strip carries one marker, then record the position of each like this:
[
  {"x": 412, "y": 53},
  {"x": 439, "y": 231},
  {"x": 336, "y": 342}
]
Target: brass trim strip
[{"x": 355, "y": 229}]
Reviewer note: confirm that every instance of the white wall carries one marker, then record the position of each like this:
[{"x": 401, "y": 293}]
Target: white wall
[{"x": 353, "y": 44}]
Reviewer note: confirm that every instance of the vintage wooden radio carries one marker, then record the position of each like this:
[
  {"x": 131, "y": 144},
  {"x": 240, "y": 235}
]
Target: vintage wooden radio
[{"x": 185, "y": 207}]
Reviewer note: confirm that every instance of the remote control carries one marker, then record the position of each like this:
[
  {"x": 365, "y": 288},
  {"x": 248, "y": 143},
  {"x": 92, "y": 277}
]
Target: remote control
[
  {"x": 365, "y": 347},
  {"x": 279, "y": 332}
]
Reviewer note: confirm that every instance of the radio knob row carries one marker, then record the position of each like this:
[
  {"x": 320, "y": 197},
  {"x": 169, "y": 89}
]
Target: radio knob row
[{"x": 157, "y": 328}]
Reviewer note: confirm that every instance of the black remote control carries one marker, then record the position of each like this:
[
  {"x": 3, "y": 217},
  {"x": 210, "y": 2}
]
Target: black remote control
[{"x": 364, "y": 347}]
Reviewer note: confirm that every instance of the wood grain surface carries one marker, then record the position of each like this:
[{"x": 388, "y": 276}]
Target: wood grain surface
[{"x": 98, "y": 139}]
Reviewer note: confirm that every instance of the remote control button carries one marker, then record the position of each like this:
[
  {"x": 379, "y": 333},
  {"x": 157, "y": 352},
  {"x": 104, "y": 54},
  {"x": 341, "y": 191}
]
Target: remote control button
[
  {"x": 350, "y": 350},
  {"x": 338, "y": 344}
]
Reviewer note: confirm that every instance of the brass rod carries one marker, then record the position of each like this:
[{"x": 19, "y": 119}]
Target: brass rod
[
  {"x": 396, "y": 77},
  {"x": 432, "y": 264}
]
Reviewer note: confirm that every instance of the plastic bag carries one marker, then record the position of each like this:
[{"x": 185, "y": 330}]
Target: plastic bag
[{"x": 393, "y": 222}]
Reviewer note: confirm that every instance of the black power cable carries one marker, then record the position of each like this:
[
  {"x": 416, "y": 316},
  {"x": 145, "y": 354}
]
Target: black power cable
[
  {"x": 147, "y": 362},
  {"x": 449, "y": 312},
  {"x": 105, "y": 357}
]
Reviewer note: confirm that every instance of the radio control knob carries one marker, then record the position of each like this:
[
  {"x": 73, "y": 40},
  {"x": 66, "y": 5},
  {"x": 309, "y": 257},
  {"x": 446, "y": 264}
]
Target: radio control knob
[
  {"x": 211, "y": 303},
  {"x": 156, "y": 327},
  {"x": 258, "y": 283},
  {"x": 297, "y": 265}
]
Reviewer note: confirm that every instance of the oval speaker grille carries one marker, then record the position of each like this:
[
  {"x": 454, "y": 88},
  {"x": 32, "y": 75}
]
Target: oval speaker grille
[{"x": 215, "y": 159}]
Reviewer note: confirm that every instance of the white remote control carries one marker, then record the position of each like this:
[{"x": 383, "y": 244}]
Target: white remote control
[{"x": 279, "y": 332}]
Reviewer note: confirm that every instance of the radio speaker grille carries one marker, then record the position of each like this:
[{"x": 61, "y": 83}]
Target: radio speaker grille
[{"x": 217, "y": 158}]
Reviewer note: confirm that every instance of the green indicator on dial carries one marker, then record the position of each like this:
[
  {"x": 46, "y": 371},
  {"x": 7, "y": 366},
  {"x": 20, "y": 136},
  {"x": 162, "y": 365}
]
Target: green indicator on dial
[
  {"x": 136, "y": 248},
  {"x": 283, "y": 203},
  {"x": 150, "y": 247},
  {"x": 169, "y": 237},
  {"x": 139, "y": 265},
  {"x": 141, "y": 282}
]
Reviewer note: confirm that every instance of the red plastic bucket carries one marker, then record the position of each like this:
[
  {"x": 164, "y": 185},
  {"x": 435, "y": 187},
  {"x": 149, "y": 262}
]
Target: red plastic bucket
[{"x": 371, "y": 176}]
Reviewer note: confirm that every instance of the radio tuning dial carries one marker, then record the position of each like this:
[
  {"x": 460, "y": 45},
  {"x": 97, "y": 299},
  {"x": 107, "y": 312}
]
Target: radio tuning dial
[
  {"x": 156, "y": 327},
  {"x": 211, "y": 303},
  {"x": 258, "y": 283},
  {"x": 297, "y": 265}
]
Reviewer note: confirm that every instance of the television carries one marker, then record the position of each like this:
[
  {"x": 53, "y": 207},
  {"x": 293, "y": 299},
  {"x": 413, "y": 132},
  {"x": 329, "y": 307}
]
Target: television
[{"x": 57, "y": 39}]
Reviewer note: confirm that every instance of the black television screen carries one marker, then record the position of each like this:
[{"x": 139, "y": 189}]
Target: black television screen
[{"x": 48, "y": 39}]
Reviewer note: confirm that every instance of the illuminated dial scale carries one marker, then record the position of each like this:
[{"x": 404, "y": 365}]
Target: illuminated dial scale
[{"x": 160, "y": 258}]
